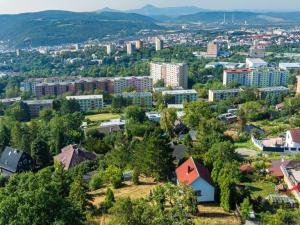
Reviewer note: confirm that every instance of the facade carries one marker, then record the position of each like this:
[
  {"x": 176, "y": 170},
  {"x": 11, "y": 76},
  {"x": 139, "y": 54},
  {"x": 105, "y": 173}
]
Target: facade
[
  {"x": 273, "y": 91},
  {"x": 217, "y": 95},
  {"x": 72, "y": 155},
  {"x": 139, "y": 44},
  {"x": 129, "y": 48},
  {"x": 10, "y": 101},
  {"x": 289, "y": 66},
  {"x": 194, "y": 174},
  {"x": 293, "y": 138},
  {"x": 298, "y": 85},
  {"x": 14, "y": 161},
  {"x": 109, "y": 49},
  {"x": 173, "y": 74},
  {"x": 212, "y": 50},
  {"x": 143, "y": 99},
  {"x": 221, "y": 94},
  {"x": 257, "y": 51},
  {"x": 159, "y": 44},
  {"x": 254, "y": 63},
  {"x": 35, "y": 106},
  {"x": 57, "y": 87},
  {"x": 260, "y": 77},
  {"x": 180, "y": 96},
  {"x": 88, "y": 102}
]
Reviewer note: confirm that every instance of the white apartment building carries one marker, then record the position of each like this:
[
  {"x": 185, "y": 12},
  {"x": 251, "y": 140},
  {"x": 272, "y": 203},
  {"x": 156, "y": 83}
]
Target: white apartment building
[
  {"x": 88, "y": 102},
  {"x": 130, "y": 48},
  {"x": 159, "y": 44},
  {"x": 173, "y": 74},
  {"x": 260, "y": 77},
  {"x": 254, "y": 63}
]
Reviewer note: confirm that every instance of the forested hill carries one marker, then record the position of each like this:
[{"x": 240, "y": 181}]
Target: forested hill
[{"x": 60, "y": 27}]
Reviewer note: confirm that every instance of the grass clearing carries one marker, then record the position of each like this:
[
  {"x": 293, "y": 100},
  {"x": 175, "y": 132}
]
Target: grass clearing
[
  {"x": 213, "y": 214},
  {"x": 261, "y": 188},
  {"x": 246, "y": 144},
  {"x": 103, "y": 117}
]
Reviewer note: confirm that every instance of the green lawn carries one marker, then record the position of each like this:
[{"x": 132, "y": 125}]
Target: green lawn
[
  {"x": 246, "y": 144},
  {"x": 103, "y": 117},
  {"x": 261, "y": 188}
]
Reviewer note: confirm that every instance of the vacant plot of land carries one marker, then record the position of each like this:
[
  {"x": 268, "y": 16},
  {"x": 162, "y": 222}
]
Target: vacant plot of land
[
  {"x": 212, "y": 214},
  {"x": 261, "y": 188},
  {"x": 128, "y": 190},
  {"x": 102, "y": 117}
]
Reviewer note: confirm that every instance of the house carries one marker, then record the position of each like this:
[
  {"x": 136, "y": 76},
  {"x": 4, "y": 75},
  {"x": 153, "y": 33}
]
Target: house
[
  {"x": 276, "y": 167},
  {"x": 111, "y": 126},
  {"x": 247, "y": 168},
  {"x": 194, "y": 174},
  {"x": 293, "y": 138},
  {"x": 14, "y": 161},
  {"x": 72, "y": 155}
]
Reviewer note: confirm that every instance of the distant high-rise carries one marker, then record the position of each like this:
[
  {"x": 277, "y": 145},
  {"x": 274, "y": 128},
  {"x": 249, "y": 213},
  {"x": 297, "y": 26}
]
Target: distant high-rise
[
  {"x": 139, "y": 44},
  {"x": 18, "y": 52},
  {"x": 109, "y": 49},
  {"x": 129, "y": 48},
  {"x": 212, "y": 49},
  {"x": 173, "y": 74},
  {"x": 298, "y": 85},
  {"x": 159, "y": 44}
]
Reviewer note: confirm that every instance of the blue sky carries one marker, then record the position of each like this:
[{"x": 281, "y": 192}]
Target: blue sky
[{"x": 17, "y": 6}]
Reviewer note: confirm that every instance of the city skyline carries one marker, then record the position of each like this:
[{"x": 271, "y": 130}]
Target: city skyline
[{"x": 15, "y": 6}]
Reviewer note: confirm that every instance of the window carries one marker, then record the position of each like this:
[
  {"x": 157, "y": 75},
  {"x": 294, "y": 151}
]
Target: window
[{"x": 198, "y": 193}]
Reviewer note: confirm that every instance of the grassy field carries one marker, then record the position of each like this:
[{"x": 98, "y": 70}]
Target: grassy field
[
  {"x": 103, "y": 117},
  {"x": 246, "y": 144},
  {"x": 261, "y": 188},
  {"x": 212, "y": 214}
]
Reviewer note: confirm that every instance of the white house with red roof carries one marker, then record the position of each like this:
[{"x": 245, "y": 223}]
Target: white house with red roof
[
  {"x": 293, "y": 138},
  {"x": 194, "y": 174}
]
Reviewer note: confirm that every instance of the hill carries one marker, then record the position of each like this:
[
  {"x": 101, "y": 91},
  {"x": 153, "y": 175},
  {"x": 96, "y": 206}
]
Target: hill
[
  {"x": 242, "y": 16},
  {"x": 60, "y": 27},
  {"x": 151, "y": 10}
]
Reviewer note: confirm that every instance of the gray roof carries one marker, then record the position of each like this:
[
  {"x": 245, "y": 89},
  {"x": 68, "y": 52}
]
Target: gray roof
[{"x": 10, "y": 158}]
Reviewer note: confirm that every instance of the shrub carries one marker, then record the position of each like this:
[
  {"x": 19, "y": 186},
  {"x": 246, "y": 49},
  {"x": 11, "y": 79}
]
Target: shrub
[{"x": 96, "y": 182}]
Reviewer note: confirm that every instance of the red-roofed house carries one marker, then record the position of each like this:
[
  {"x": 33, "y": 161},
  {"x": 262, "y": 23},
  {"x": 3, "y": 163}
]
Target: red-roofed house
[
  {"x": 194, "y": 174},
  {"x": 293, "y": 138}
]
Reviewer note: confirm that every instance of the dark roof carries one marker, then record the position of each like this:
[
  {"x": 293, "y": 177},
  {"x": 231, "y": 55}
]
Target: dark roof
[
  {"x": 72, "y": 155},
  {"x": 110, "y": 129},
  {"x": 191, "y": 170},
  {"x": 10, "y": 158},
  {"x": 250, "y": 127}
]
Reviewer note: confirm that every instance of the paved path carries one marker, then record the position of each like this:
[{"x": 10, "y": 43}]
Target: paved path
[{"x": 246, "y": 152}]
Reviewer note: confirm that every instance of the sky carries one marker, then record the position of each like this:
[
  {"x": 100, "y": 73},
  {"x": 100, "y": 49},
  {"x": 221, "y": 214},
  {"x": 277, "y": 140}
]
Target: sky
[{"x": 18, "y": 6}]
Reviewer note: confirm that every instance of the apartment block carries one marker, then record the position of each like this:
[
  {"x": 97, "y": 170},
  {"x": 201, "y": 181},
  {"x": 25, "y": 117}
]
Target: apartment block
[
  {"x": 222, "y": 94},
  {"x": 139, "y": 44},
  {"x": 273, "y": 91},
  {"x": 35, "y": 106},
  {"x": 179, "y": 96},
  {"x": 217, "y": 95},
  {"x": 143, "y": 99},
  {"x": 173, "y": 74},
  {"x": 129, "y": 48},
  {"x": 88, "y": 102},
  {"x": 42, "y": 87},
  {"x": 254, "y": 63},
  {"x": 260, "y": 77},
  {"x": 257, "y": 51},
  {"x": 159, "y": 44},
  {"x": 212, "y": 49}
]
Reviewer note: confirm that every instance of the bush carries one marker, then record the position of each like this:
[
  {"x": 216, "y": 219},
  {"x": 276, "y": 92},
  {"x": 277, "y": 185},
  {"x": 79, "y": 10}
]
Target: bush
[
  {"x": 114, "y": 176},
  {"x": 135, "y": 177},
  {"x": 96, "y": 182}
]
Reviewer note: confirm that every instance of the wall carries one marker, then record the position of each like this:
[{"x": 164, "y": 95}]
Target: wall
[{"x": 207, "y": 191}]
